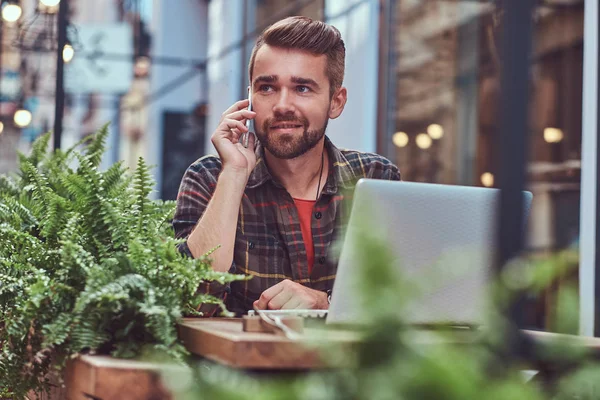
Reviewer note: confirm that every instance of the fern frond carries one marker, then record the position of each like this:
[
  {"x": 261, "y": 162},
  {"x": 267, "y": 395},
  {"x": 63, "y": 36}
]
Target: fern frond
[
  {"x": 85, "y": 334},
  {"x": 38, "y": 183},
  {"x": 8, "y": 217},
  {"x": 8, "y": 186},
  {"x": 39, "y": 149},
  {"x": 113, "y": 178},
  {"x": 75, "y": 186},
  {"x": 57, "y": 332},
  {"x": 13, "y": 210},
  {"x": 142, "y": 184},
  {"x": 20, "y": 245},
  {"x": 97, "y": 146},
  {"x": 55, "y": 217},
  {"x": 118, "y": 231}
]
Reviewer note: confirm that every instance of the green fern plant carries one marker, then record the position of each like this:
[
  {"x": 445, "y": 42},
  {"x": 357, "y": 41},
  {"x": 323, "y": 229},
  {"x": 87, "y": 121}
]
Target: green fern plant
[{"x": 88, "y": 263}]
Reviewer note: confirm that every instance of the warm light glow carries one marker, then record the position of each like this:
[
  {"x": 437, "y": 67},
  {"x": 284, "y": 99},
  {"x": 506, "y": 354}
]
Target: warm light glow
[
  {"x": 1, "y": 128},
  {"x": 400, "y": 139},
  {"x": 50, "y": 3},
  {"x": 68, "y": 53},
  {"x": 553, "y": 135},
  {"x": 11, "y": 12},
  {"x": 435, "y": 131},
  {"x": 487, "y": 179},
  {"x": 423, "y": 141},
  {"x": 22, "y": 118}
]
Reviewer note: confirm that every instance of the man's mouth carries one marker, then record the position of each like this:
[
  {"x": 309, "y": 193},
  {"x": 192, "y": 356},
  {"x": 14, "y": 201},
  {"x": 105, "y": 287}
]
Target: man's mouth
[{"x": 286, "y": 126}]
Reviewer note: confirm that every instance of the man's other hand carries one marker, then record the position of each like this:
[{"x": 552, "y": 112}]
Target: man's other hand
[{"x": 288, "y": 295}]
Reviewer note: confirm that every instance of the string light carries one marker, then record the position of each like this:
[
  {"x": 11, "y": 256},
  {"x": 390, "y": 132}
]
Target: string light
[
  {"x": 22, "y": 118},
  {"x": 50, "y": 3},
  {"x": 553, "y": 135},
  {"x": 423, "y": 141},
  {"x": 11, "y": 12},
  {"x": 400, "y": 139},
  {"x": 487, "y": 179},
  {"x": 435, "y": 131},
  {"x": 1, "y": 127},
  {"x": 68, "y": 53}
]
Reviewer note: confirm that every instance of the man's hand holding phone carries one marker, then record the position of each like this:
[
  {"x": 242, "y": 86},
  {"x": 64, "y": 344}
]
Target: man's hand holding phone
[{"x": 227, "y": 139}]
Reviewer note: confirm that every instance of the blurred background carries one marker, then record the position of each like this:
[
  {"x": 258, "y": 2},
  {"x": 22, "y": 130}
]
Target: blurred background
[{"x": 422, "y": 77}]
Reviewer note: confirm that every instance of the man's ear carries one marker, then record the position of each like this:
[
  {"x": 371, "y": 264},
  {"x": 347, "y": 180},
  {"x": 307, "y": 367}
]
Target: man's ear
[{"x": 338, "y": 102}]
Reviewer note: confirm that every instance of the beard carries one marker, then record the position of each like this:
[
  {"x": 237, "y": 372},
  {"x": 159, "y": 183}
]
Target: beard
[{"x": 288, "y": 146}]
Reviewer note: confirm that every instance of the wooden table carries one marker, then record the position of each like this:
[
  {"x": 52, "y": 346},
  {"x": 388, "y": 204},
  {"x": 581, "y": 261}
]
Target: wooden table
[
  {"x": 592, "y": 344},
  {"x": 223, "y": 340}
]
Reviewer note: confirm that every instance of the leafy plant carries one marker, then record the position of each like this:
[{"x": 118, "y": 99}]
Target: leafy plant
[{"x": 88, "y": 263}]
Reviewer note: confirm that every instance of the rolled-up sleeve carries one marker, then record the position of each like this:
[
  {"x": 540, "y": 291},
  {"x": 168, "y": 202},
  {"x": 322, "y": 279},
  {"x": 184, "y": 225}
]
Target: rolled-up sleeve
[{"x": 195, "y": 191}]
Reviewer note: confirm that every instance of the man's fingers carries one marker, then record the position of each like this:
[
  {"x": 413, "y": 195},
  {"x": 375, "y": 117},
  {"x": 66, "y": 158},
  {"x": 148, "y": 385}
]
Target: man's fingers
[
  {"x": 251, "y": 142},
  {"x": 228, "y": 126},
  {"x": 236, "y": 138},
  {"x": 292, "y": 304},
  {"x": 280, "y": 299},
  {"x": 241, "y": 115},
  {"x": 266, "y": 296},
  {"x": 238, "y": 105}
]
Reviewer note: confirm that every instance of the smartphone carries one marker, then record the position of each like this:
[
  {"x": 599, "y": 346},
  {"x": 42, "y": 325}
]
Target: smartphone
[{"x": 246, "y": 135}]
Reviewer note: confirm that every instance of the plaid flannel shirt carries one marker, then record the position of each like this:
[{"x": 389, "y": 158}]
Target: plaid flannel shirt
[{"x": 268, "y": 243}]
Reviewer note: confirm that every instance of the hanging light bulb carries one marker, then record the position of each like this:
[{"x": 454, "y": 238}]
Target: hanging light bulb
[
  {"x": 11, "y": 12},
  {"x": 68, "y": 53},
  {"x": 1, "y": 127},
  {"x": 22, "y": 118},
  {"x": 553, "y": 135},
  {"x": 423, "y": 140},
  {"x": 400, "y": 139},
  {"x": 48, "y": 6},
  {"x": 50, "y": 3},
  {"x": 435, "y": 131},
  {"x": 487, "y": 179}
]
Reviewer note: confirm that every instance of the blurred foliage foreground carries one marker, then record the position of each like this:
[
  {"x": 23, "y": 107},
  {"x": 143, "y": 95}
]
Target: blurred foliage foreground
[{"x": 89, "y": 264}]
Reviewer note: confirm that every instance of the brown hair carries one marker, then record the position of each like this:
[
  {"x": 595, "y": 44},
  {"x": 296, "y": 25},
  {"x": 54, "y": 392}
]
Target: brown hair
[{"x": 315, "y": 37}]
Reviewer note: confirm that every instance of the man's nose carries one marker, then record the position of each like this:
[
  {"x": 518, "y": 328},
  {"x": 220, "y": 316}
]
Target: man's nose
[{"x": 284, "y": 104}]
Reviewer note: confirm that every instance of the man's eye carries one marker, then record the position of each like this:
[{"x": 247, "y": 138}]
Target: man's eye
[
  {"x": 265, "y": 88},
  {"x": 303, "y": 89}
]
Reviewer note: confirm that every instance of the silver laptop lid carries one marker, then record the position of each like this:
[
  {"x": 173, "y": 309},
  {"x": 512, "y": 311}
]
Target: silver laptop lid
[{"x": 442, "y": 239}]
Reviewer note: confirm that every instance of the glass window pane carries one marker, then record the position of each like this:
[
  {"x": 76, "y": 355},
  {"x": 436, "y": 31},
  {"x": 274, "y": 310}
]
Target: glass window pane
[{"x": 447, "y": 100}]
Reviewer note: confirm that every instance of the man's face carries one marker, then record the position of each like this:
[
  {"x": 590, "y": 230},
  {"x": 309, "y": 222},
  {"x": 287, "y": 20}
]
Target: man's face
[{"x": 290, "y": 95}]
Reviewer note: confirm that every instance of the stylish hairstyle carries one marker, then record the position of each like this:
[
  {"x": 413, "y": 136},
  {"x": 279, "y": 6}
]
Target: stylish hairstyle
[{"x": 315, "y": 37}]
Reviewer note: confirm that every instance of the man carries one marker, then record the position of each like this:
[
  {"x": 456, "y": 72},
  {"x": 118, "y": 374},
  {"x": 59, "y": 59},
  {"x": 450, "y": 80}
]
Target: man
[{"x": 276, "y": 207}]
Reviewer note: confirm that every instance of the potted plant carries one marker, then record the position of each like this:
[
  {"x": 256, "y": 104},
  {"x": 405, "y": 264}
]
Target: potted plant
[{"x": 88, "y": 263}]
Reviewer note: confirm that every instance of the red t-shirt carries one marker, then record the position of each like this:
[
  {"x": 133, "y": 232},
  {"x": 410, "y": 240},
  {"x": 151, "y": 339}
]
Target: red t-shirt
[{"x": 305, "y": 209}]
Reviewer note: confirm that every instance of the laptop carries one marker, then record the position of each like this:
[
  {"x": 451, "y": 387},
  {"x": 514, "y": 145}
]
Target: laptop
[{"x": 440, "y": 240}]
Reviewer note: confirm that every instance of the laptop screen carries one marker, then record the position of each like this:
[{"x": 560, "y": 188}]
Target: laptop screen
[{"x": 441, "y": 240}]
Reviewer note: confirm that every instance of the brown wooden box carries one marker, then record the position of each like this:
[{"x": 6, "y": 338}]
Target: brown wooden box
[{"x": 101, "y": 377}]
